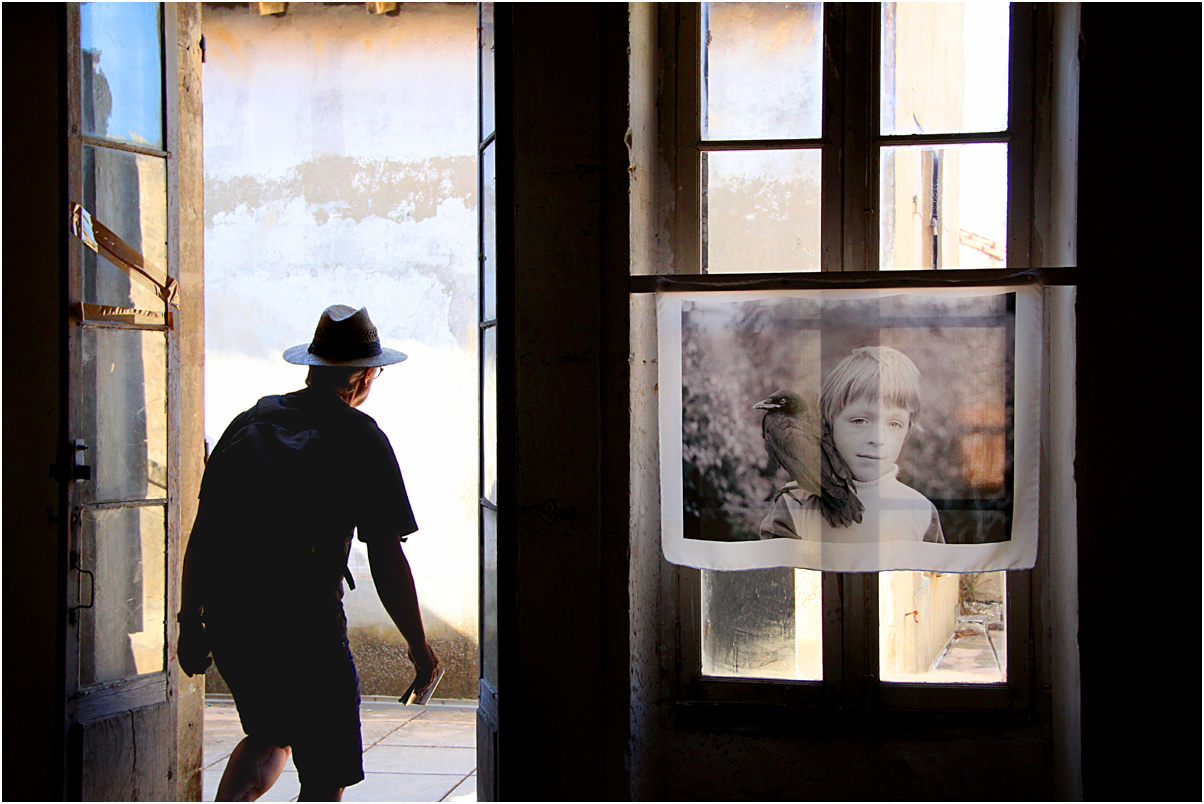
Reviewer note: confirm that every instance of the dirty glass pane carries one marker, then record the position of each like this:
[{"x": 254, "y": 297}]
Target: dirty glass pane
[
  {"x": 489, "y": 232},
  {"x": 124, "y": 419},
  {"x": 944, "y": 207},
  {"x": 941, "y": 628},
  {"x": 121, "y": 72},
  {"x": 123, "y": 552},
  {"x": 489, "y": 414},
  {"x": 127, "y": 193},
  {"x": 944, "y": 67},
  {"x": 761, "y": 211},
  {"x": 487, "y": 73},
  {"x": 762, "y": 68},
  {"x": 489, "y": 640},
  {"x": 762, "y": 624}
]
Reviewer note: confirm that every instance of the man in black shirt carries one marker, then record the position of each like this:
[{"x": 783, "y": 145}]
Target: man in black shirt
[{"x": 288, "y": 483}]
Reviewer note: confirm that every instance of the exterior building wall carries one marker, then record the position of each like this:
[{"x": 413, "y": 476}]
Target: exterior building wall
[{"x": 340, "y": 167}]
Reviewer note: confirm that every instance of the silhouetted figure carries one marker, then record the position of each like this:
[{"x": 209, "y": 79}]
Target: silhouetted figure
[{"x": 286, "y": 486}]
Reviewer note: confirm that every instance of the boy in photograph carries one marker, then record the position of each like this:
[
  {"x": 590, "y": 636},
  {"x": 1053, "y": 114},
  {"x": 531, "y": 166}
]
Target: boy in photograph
[{"x": 868, "y": 405}]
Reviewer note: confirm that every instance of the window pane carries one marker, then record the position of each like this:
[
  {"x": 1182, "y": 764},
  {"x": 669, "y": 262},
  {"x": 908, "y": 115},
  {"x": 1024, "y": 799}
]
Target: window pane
[
  {"x": 487, "y": 68},
  {"x": 762, "y": 70},
  {"x": 942, "y": 628},
  {"x": 122, "y": 72},
  {"x": 762, "y": 624},
  {"x": 944, "y": 67},
  {"x": 489, "y": 233},
  {"x": 127, "y": 193},
  {"x": 761, "y": 211},
  {"x": 489, "y": 640},
  {"x": 944, "y": 207},
  {"x": 121, "y": 634},
  {"x": 489, "y": 414},
  {"x": 123, "y": 420}
]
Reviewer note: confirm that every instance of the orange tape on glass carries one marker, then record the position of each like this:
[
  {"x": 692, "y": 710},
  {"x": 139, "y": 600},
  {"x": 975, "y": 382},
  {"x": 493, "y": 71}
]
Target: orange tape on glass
[
  {"x": 108, "y": 314},
  {"x": 101, "y": 239}
]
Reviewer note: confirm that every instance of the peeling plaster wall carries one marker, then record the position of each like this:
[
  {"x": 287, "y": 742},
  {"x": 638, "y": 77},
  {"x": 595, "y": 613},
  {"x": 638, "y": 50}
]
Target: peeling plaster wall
[{"x": 340, "y": 167}]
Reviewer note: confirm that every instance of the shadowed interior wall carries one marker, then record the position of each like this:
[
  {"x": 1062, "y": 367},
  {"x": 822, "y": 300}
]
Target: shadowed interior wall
[
  {"x": 34, "y": 272},
  {"x": 340, "y": 167}
]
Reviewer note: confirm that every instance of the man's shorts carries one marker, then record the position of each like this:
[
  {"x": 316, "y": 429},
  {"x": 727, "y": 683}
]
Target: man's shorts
[{"x": 292, "y": 689}]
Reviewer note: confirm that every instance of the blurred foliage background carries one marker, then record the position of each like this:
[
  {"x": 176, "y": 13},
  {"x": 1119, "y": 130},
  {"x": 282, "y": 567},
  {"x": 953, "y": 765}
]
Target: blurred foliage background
[{"x": 735, "y": 354}]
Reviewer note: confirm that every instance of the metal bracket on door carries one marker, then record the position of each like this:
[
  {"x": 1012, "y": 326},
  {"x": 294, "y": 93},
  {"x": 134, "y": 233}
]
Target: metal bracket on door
[
  {"x": 550, "y": 511},
  {"x": 72, "y": 615}
]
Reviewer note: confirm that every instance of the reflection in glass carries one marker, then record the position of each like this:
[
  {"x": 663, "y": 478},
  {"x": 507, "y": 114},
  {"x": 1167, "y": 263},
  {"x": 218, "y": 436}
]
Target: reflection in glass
[
  {"x": 489, "y": 640},
  {"x": 121, "y": 634},
  {"x": 486, "y": 55},
  {"x": 127, "y": 193},
  {"x": 124, "y": 423},
  {"x": 762, "y": 624},
  {"x": 762, "y": 70},
  {"x": 944, "y": 207},
  {"x": 489, "y": 232},
  {"x": 940, "y": 628},
  {"x": 944, "y": 67},
  {"x": 489, "y": 414},
  {"x": 122, "y": 72},
  {"x": 762, "y": 211}
]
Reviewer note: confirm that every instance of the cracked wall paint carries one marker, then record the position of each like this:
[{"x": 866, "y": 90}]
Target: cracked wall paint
[{"x": 340, "y": 167}]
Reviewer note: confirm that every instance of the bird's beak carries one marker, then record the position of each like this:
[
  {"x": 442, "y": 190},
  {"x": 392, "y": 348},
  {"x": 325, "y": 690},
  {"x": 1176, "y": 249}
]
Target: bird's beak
[{"x": 765, "y": 404}]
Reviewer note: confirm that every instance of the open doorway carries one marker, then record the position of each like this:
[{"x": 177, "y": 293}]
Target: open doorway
[{"x": 340, "y": 167}]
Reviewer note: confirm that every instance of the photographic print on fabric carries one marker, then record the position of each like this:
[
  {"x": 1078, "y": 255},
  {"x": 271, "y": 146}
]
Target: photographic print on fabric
[{"x": 852, "y": 431}]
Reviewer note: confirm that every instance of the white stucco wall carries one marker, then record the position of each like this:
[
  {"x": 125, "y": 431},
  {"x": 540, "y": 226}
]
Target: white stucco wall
[{"x": 340, "y": 167}]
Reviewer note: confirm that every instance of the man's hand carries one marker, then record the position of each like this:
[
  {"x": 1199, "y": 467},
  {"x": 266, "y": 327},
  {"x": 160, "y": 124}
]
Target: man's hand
[
  {"x": 192, "y": 649},
  {"x": 425, "y": 664}
]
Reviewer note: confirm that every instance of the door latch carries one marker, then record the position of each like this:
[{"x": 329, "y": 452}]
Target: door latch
[{"x": 75, "y": 470}]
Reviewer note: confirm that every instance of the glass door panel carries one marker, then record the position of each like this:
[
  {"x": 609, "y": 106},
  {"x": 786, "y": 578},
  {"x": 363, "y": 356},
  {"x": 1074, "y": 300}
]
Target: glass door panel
[
  {"x": 121, "y": 70},
  {"x": 124, "y": 422},
  {"x": 122, "y": 617},
  {"x": 126, "y": 192}
]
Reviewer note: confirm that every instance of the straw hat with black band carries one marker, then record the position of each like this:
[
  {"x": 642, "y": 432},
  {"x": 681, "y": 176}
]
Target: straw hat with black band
[{"x": 344, "y": 337}]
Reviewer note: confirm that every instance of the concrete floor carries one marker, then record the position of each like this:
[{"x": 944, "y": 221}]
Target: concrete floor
[{"x": 411, "y": 753}]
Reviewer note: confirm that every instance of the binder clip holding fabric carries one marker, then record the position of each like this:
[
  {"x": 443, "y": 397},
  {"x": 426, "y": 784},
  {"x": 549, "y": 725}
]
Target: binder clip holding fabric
[{"x": 421, "y": 696}]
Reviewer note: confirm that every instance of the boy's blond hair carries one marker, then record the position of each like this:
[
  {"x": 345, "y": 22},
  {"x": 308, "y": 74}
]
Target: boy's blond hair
[{"x": 872, "y": 373}]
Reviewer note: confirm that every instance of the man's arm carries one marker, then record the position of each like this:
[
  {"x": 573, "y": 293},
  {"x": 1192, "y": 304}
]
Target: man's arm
[
  {"x": 191, "y": 599},
  {"x": 192, "y": 650},
  {"x": 395, "y": 586}
]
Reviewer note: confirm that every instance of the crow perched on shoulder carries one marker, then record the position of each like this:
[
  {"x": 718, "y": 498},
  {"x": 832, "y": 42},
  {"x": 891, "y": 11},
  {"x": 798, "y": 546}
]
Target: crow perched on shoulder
[{"x": 794, "y": 438}]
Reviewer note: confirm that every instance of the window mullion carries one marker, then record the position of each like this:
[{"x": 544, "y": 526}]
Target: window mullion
[
  {"x": 859, "y": 158},
  {"x": 1021, "y": 58},
  {"x": 686, "y": 135},
  {"x": 832, "y": 183}
]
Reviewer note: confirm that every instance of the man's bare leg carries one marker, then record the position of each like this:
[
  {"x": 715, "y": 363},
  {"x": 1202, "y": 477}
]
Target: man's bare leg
[{"x": 251, "y": 771}]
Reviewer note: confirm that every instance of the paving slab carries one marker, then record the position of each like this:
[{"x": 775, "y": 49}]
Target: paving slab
[
  {"x": 402, "y": 787},
  {"x": 420, "y": 759},
  {"x": 434, "y": 732},
  {"x": 465, "y": 791}
]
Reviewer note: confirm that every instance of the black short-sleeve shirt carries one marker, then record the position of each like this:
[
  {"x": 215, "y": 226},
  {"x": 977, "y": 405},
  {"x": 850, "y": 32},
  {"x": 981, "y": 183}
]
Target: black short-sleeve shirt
[{"x": 355, "y": 486}]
